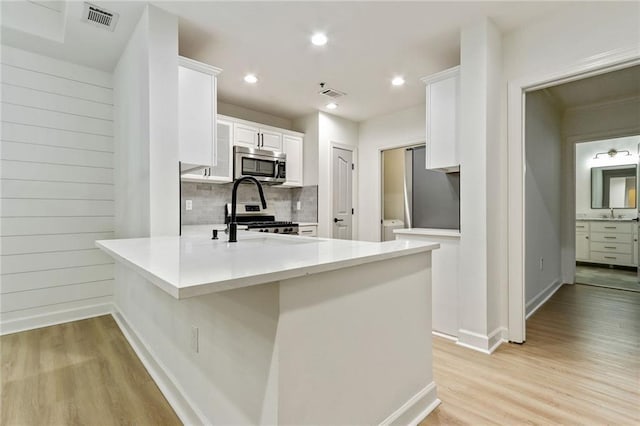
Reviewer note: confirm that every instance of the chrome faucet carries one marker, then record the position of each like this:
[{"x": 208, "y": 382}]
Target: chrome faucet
[
  {"x": 612, "y": 216},
  {"x": 233, "y": 225}
]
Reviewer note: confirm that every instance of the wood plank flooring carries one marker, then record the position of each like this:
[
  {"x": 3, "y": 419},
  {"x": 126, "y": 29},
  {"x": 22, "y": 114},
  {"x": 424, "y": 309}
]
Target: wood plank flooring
[
  {"x": 603, "y": 276},
  {"x": 78, "y": 373},
  {"x": 580, "y": 365}
]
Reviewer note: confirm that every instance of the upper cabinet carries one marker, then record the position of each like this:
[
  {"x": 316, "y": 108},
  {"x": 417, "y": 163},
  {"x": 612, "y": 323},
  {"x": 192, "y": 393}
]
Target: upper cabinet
[
  {"x": 442, "y": 120},
  {"x": 257, "y": 137},
  {"x": 197, "y": 99},
  {"x": 292, "y": 146}
]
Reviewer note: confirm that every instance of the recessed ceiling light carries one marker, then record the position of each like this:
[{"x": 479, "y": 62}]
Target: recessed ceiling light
[
  {"x": 250, "y": 78},
  {"x": 397, "y": 81},
  {"x": 319, "y": 39},
  {"x": 332, "y": 105}
]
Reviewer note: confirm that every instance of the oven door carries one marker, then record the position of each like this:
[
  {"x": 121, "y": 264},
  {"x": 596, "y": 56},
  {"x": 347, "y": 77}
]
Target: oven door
[{"x": 266, "y": 166}]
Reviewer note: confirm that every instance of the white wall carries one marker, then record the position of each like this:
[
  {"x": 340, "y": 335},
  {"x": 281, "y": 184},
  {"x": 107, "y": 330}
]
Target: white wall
[
  {"x": 482, "y": 247},
  {"x": 543, "y": 185},
  {"x": 322, "y": 129},
  {"x": 251, "y": 115},
  {"x": 131, "y": 95},
  {"x": 397, "y": 129},
  {"x": 146, "y": 137},
  {"x": 554, "y": 45},
  {"x": 333, "y": 129},
  {"x": 309, "y": 126},
  {"x": 585, "y": 161},
  {"x": 57, "y": 190},
  {"x": 602, "y": 121}
]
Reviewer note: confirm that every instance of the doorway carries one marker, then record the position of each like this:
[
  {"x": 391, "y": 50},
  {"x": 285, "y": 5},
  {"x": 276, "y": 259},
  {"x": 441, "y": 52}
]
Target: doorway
[
  {"x": 606, "y": 188},
  {"x": 556, "y": 116}
]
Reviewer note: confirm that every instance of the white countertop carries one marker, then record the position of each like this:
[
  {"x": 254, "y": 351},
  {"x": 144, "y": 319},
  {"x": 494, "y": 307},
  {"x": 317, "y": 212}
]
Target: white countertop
[
  {"x": 431, "y": 232},
  {"x": 606, "y": 219},
  {"x": 307, "y": 223},
  {"x": 194, "y": 265}
]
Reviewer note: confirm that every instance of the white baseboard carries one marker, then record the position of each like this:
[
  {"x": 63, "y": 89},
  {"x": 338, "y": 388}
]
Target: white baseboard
[
  {"x": 53, "y": 318},
  {"x": 185, "y": 410},
  {"x": 486, "y": 344},
  {"x": 445, "y": 336},
  {"x": 534, "y": 304},
  {"x": 416, "y": 408}
]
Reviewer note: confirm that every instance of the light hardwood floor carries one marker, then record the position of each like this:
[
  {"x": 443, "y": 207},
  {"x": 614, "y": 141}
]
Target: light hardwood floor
[
  {"x": 580, "y": 365},
  {"x": 79, "y": 373}
]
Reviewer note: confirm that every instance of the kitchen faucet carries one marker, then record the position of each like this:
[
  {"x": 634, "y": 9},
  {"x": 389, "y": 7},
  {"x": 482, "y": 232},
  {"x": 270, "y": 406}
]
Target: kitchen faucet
[{"x": 233, "y": 225}]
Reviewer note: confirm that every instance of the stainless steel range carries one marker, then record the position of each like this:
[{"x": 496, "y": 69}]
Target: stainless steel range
[{"x": 257, "y": 219}]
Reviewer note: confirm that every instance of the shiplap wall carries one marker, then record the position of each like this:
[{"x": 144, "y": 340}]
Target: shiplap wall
[{"x": 57, "y": 192}]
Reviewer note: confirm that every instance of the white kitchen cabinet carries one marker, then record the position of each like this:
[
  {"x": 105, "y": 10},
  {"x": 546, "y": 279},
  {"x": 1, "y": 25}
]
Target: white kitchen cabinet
[
  {"x": 292, "y": 146},
  {"x": 257, "y": 137},
  {"x": 271, "y": 140},
  {"x": 245, "y": 135},
  {"x": 222, "y": 169},
  {"x": 197, "y": 99},
  {"x": 308, "y": 230},
  {"x": 442, "y": 94}
]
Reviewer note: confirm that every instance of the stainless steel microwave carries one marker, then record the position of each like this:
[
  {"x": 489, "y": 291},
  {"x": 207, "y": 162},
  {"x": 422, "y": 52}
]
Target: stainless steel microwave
[{"x": 266, "y": 166}]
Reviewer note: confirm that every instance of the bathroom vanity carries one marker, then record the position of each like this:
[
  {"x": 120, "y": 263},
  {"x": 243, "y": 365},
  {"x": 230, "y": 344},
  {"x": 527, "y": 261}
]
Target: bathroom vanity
[{"x": 607, "y": 241}]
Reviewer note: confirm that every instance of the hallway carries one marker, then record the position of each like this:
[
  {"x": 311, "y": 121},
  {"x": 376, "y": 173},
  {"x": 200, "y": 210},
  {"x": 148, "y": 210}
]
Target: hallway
[{"x": 580, "y": 364}]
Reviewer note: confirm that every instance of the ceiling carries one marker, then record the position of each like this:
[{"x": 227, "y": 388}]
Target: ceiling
[
  {"x": 621, "y": 84},
  {"x": 369, "y": 43}
]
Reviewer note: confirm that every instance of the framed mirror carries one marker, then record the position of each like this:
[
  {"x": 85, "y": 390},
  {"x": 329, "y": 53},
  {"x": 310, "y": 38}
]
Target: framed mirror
[{"x": 614, "y": 187}]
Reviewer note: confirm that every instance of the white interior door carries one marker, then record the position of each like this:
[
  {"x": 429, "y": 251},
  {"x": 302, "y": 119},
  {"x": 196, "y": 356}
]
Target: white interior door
[
  {"x": 636, "y": 244},
  {"x": 342, "y": 162}
]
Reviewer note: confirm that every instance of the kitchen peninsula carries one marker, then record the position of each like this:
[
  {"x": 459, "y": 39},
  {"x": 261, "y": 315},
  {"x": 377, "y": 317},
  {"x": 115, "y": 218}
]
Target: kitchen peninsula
[{"x": 280, "y": 329}]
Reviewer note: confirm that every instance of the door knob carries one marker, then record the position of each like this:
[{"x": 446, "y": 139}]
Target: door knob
[{"x": 336, "y": 220}]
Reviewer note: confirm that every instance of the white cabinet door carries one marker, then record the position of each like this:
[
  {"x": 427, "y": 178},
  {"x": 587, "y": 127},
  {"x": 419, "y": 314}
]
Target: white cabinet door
[
  {"x": 442, "y": 121},
  {"x": 293, "y": 148},
  {"x": 636, "y": 257},
  {"x": 196, "y": 116},
  {"x": 582, "y": 246},
  {"x": 245, "y": 135},
  {"x": 222, "y": 169},
  {"x": 270, "y": 140}
]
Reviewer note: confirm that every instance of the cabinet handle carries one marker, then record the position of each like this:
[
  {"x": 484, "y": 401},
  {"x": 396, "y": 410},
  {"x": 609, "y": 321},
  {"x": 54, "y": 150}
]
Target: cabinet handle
[
  {"x": 610, "y": 257},
  {"x": 258, "y": 139},
  {"x": 610, "y": 227},
  {"x": 579, "y": 226},
  {"x": 263, "y": 140},
  {"x": 611, "y": 238},
  {"x": 609, "y": 247}
]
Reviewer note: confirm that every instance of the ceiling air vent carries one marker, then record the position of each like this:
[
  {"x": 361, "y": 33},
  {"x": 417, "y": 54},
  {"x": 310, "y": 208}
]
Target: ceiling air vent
[
  {"x": 100, "y": 17},
  {"x": 332, "y": 93}
]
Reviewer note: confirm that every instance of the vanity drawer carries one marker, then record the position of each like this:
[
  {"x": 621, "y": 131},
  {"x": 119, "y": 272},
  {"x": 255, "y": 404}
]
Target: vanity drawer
[
  {"x": 608, "y": 237},
  {"x": 620, "y": 248},
  {"x": 612, "y": 227},
  {"x": 582, "y": 226},
  {"x": 611, "y": 258}
]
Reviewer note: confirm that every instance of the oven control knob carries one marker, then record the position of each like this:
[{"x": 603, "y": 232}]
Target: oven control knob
[
  {"x": 264, "y": 230},
  {"x": 276, "y": 230}
]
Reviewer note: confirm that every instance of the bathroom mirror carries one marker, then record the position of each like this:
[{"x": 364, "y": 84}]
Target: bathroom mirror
[{"x": 614, "y": 187}]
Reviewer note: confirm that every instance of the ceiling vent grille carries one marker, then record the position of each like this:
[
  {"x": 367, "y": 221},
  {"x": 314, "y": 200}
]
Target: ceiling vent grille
[
  {"x": 332, "y": 93},
  {"x": 100, "y": 17}
]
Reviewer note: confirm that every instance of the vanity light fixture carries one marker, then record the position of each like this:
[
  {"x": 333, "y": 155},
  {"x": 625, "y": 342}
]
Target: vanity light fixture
[
  {"x": 397, "y": 81},
  {"x": 251, "y": 79},
  {"x": 331, "y": 105},
  {"x": 612, "y": 153},
  {"x": 319, "y": 39}
]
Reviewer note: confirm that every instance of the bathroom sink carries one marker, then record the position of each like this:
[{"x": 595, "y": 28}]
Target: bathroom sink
[{"x": 608, "y": 219}]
